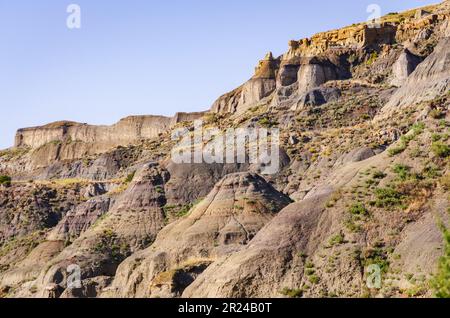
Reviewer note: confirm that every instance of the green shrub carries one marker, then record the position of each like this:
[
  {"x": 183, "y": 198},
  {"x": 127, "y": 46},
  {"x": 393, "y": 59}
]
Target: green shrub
[
  {"x": 379, "y": 175},
  {"x": 440, "y": 149},
  {"x": 373, "y": 57},
  {"x": 431, "y": 171},
  {"x": 337, "y": 240},
  {"x": 376, "y": 256},
  {"x": 111, "y": 245},
  {"x": 310, "y": 271},
  {"x": 402, "y": 171},
  {"x": 436, "y": 114},
  {"x": 358, "y": 209},
  {"x": 436, "y": 137},
  {"x": 5, "y": 180},
  {"x": 387, "y": 198},
  {"x": 309, "y": 264},
  {"x": 415, "y": 131},
  {"x": 397, "y": 150},
  {"x": 267, "y": 122},
  {"x": 130, "y": 177},
  {"x": 314, "y": 279},
  {"x": 292, "y": 293}
]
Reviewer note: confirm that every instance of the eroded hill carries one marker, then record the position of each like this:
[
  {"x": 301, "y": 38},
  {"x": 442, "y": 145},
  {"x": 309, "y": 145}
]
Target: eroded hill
[{"x": 364, "y": 119}]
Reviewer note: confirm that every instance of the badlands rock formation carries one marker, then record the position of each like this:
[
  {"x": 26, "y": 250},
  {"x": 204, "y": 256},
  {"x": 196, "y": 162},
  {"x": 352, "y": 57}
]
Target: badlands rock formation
[
  {"x": 403, "y": 67},
  {"x": 363, "y": 114},
  {"x": 430, "y": 79},
  {"x": 227, "y": 219}
]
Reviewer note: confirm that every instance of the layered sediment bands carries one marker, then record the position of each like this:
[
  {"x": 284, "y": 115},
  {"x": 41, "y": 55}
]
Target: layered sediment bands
[
  {"x": 186, "y": 117},
  {"x": 98, "y": 245},
  {"x": 430, "y": 79},
  {"x": 311, "y": 62},
  {"x": 261, "y": 85},
  {"x": 123, "y": 133},
  {"x": 369, "y": 181},
  {"x": 354, "y": 37},
  {"x": 228, "y": 218},
  {"x": 227, "y": 103},
  {"x": 314, "y": 73},
  {"x": 267, "y": 263}
]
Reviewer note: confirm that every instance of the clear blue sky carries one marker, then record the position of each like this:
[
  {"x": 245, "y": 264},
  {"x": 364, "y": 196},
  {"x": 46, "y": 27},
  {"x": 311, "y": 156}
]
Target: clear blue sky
[{"x": 145, "y": 56}]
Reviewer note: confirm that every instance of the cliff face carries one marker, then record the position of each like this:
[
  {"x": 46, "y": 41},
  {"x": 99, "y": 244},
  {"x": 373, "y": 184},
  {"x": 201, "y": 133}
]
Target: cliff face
[
  {"x": 125, "y": 132},
  {"x": 329, "y": 56}
]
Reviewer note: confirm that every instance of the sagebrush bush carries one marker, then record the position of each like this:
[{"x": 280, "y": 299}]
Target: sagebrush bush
[
  {"x": 440, "y": 149},
  {"x": 5, "y": 180},
  {"x": 441, "y": 281}
]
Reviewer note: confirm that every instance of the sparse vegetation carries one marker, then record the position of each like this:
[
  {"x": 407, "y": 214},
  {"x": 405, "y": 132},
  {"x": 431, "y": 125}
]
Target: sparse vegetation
[
  {"x": 376, "y": 256},
  {"x": 5, "y": 180},
  {"x": 314, "y": 279},
  {"x": 178, "y": 210},
  {"x": 441, "y": 281},
  {"x": 292, "y": 293},
  {"x": 110, "y": 244},
  {"x": 267, "y": 122},
  {"x": 358, "y": 209},
  {"x": 130, "y": 177},
  {"x": 372, "y": 58},
  {"x": 379, "y": 175},
  {"x": 403, "y": 144},
  {"x": 436, "y": 113},
  {"x": 388, "y": 198},
  {"x": 336, "y": 240},
  {"x": 402, "y": 171},
  {"x": 334, "y": 143}
]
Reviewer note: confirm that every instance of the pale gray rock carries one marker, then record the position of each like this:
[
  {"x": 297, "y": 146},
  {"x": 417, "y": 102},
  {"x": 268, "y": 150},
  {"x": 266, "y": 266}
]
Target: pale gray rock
[
  {"x": 403, "y": 67},
  {"x": 314, "y": 74}
]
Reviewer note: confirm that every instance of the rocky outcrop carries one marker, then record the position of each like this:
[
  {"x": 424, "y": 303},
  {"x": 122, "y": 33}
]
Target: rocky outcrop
[
  {"x": 229, "y": 217},
  {"x": 80, "y": 219},
  {"x": 227, "y": 103},
  {"x": 404, "y": 66},
  {"x": 267, "y": 264},
  {"x": 107, "y": 200},
  {"x": 127, "y": 131},
  {"x": 202, "y": 179},
  {"x": 420, "y": 26},
  {"x": 130, "y": 224},
  {"x": 288, "y": 74},
  {"x": 315, "y": 73},
  {"x": 186, "y": 117},
  {"x": 355, "y": 37},
  {"x": 26, "y": 209},
  {"x": 430, "y": 79},
  {"x": 124, "y": 132},
  {"x": 261, "y": 85},
  {"x": 317, "y": 97}
]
